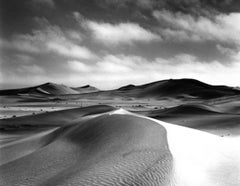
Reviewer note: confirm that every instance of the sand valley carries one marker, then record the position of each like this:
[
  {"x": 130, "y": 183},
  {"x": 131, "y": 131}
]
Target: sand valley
[{"x": 170, "y": 133}]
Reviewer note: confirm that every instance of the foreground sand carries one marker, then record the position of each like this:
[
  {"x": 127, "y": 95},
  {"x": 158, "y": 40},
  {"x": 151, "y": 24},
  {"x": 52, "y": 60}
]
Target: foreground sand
[{"x": 105, "y": 146}]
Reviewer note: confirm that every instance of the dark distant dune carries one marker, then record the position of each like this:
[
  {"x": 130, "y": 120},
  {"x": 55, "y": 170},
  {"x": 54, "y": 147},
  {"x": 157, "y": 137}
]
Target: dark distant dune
[
  {"x": 86, "y": 89},
  {"x": 106, "y": 150},
  {"x": 127, "y": 87},
  {"x": 51, "y": 119},
  {"x": 173, "y": 88},
  {"x": 188, "y": 109},
  {"x": 178, "y": 88},
  {"x": 44, "y": 89},
  {"x": 228, "y": 105},
  {"x": 234, "y": 109},
  {"x": 55, "y": 89},
  {"x": 199, "y": 116}
]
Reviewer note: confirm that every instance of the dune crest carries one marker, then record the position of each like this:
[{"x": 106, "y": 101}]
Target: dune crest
[
  {"x": 122, "y": 148},
  {"x": 105, "y": 149}
]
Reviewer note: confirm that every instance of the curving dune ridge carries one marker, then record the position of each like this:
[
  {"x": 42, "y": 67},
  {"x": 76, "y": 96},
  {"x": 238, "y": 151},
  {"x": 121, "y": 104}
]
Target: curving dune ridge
[
  {"x": 200, "y": 116},
  {"x": 121, "y": 148},
  {"x": 104, "y": 150}
]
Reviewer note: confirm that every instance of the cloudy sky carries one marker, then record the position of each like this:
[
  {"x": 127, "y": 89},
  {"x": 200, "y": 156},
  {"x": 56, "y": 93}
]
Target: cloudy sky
[{"x": 110, "y": 43}]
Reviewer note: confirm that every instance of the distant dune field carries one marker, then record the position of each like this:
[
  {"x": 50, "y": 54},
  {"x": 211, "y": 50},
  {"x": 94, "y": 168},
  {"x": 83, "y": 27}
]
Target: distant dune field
[
  {"x": 203, "y": 117},
  {"x": 166, "y": 133}
]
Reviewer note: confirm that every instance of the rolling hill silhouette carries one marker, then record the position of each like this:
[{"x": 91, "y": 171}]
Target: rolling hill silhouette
[
  {"x": 46, "y": 88},
  {"x": 49, "y": 89},
  {"x": 173, "y": 88},
  {"x": 86, "y": 89},
  {"x": 188, "y": 109},
  {"x": 178, "y": 88}
]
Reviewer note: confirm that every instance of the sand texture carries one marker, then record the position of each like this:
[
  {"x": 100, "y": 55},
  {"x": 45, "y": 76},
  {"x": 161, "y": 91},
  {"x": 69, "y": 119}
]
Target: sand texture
[{"x": 116, "y": 147}]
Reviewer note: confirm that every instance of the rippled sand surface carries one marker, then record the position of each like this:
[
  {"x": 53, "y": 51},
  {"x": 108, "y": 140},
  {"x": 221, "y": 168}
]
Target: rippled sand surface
[{"x": 116, "y": 147}]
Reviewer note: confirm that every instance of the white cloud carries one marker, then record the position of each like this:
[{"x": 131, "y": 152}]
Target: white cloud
[
  {"x": 50, "y": 39},
  {"x": 115, "y": 64},
  {"x": 117, "y": 70},
  {"x": 122, "y": 33},
  {"x": 113, "y": 71},
  {"x": 178, "y": 26},
  {"x": 118, "y": 33},
  {"x": 70, "y": 50},
  {"x": 75, "y": 35},
  {"x": 19, "y": 42},
  {"x": 79, "y": 66},
  {"x": 79, "y": 17}
]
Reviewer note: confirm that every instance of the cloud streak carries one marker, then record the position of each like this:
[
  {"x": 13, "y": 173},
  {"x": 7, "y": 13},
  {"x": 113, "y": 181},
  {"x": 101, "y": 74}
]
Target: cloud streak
[
  {"x": 50, "y": 39},
  {"x": 184, "y": 27},
  {"x": 122, "y": 33},
  {"x": 116, "y": 42},
  {"x": 123, "y": 69}
]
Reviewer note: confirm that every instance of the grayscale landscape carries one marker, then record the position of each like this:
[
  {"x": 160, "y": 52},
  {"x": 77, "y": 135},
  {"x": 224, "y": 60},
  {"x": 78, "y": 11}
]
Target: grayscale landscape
[
  {"x": 119, "y": 92},
  {"x": 52, "y": 134}
]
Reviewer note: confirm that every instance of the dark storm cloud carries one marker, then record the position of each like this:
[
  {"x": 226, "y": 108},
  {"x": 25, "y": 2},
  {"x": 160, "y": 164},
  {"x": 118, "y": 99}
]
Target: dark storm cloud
[
  {"x": 45, "y": 3},
  {"x": 195, "y": 7},
  {"x": 127, "y": 40},
  {"x": 16, "y": 16}
]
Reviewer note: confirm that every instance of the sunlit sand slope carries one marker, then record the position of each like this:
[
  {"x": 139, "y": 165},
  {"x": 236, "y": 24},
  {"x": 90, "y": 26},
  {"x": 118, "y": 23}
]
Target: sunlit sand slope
[
  {"x": 121, "y": 148},
  {"x": 199, "y": 116},
  {"x": 201, "y": 158}
]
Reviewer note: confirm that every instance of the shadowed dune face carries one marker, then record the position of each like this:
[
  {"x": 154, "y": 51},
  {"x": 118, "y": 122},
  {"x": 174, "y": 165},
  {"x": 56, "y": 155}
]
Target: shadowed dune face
[
  {"x": 120, "y": 148},
  {"x": 50, "y": 89},
  {"x": 174, "y": 88},
  {"x": 100, "y": 145},
  {"x": 86, "y": 89},
  {"x": 178, "y": 88},
  {"x": 105, "y": 150},
  {"x": 51, "y": 119},
  {"x": 199, "y": 116},
  {"x": 55, "y": 89},
  {"x": 44, "y": 89},
  {"x": 187, "y": 110}
]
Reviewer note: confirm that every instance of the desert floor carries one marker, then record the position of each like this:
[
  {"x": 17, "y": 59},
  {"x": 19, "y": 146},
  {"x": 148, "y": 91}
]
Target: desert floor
[{"x": 120, "y": 142}]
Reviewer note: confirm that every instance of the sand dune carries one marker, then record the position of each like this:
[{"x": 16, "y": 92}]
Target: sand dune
[
  {"x": 50, "y": 119},
  {"x": 201, "y": 158},
  {"x": 45, "y": 89},
  {"x": 86, "y": 89},
  {"x": 199, "y": 116},
  {"x": 173, "y": 88},
  {"x": 23, "y": 146},
  {"x": 228, "y": 105},
  {"x": 194, "y": 109},
  {"x": 105, "y": 150},
  {"x": 121, "y": 148},
  {"x": 178, "y": 88}
]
